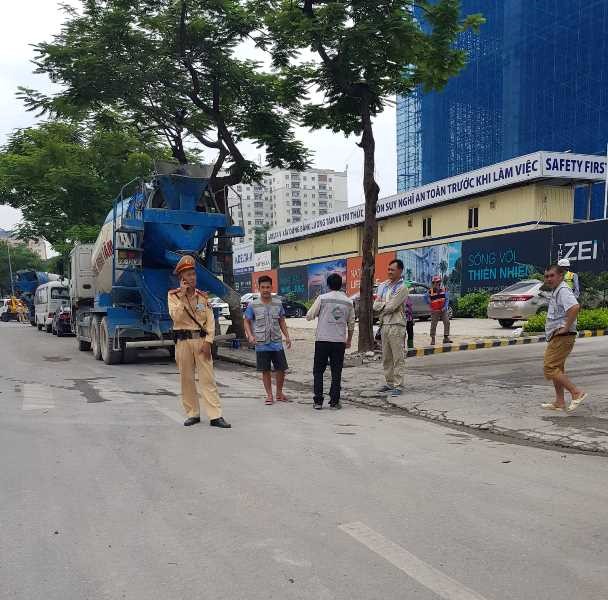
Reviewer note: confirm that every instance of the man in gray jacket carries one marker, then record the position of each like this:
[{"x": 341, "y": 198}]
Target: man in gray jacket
[{"x": 334, "y": 334}]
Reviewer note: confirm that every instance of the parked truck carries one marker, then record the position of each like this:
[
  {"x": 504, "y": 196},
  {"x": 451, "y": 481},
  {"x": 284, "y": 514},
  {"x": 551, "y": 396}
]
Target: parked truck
[
  {"x": 119, "y": 284},
  {"x": 25, "y": 284}
]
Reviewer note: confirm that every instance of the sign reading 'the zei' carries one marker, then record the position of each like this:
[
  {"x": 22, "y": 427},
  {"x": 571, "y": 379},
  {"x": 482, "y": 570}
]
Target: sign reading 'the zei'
[{"x": 585, "y": 245}]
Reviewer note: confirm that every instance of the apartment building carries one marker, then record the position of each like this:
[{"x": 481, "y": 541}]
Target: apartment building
[{"x": 285, "y": 197}]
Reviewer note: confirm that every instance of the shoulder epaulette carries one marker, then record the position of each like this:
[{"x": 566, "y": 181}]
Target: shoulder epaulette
[
  {"x": 174, "y": 291},
  {"x": 204, "y": 294}
]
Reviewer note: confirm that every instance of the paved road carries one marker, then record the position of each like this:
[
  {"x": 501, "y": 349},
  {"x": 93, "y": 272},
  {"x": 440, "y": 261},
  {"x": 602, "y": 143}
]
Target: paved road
[{"x": 104, "y": 495}]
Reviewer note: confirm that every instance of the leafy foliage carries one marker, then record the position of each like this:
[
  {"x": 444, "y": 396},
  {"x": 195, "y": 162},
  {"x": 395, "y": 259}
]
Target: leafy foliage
[
  {"x": 260, "y": 244},
  {"x": 363, "y": 53},
  {"x": 473, "y": 305},
  {"x": 63, "y": 176},
  {"x": 21, "y": 258},
  {"x": 171, "y": 66},
  {"x": 594, "y": 318}
]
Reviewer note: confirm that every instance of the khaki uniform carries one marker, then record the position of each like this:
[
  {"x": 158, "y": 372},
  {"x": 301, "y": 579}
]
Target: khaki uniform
[
  {"x": 391, "y": 307},
  {"x": 188, "y": 355}
]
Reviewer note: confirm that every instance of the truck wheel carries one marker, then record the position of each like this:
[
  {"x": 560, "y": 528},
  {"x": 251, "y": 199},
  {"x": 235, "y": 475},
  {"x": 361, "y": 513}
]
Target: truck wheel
[
  {"x": 49, "y": 328},
  {"x": 171, "y": 350},
  {"x": 84, "y": 346},
  {"x": 94, "y": 332},
  {"x": 129, "y": 355},
  {"x": 39, "y": 326},
  {"x": 506, "y": 323},
  {"x": 108, "y": 354}
]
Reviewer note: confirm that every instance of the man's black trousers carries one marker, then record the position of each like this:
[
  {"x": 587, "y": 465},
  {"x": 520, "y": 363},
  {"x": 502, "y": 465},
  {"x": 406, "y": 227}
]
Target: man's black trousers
[{"x": 334, "y": 351}]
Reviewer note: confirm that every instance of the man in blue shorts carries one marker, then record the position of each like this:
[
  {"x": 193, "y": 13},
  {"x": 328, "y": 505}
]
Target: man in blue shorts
[{"x": 264, "y": 324}]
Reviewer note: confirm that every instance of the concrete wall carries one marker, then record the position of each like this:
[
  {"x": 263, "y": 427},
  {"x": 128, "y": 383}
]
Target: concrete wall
[
  {"x": 507, "y": 211},
  {"x": 338, "y": 244}
]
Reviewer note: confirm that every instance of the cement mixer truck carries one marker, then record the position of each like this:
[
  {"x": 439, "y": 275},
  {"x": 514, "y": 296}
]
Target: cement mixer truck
[{"x": 119, "y": 284}]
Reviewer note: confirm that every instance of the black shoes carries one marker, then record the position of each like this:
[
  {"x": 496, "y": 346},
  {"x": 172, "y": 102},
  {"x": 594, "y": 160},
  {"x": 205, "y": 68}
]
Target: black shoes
[
  {"x": 317, "y": 406},
  {"x": 336, "y": 406},
  {"x": 192, "y": 421},
  {"x": 221, "y": 422}
]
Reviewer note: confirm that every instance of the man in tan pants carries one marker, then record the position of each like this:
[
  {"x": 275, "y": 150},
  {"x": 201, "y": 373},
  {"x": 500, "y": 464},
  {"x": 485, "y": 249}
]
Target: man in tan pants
[
  {"x": 194, "y": 328},
  {"x": 392, "y": 295}
]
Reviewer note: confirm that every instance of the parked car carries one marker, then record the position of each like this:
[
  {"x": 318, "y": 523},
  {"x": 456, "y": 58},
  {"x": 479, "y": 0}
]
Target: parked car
[
  {"x": 420, "y": 308},
  {"x": 49, "y": 298},
  {"x": 292, "y": 308},
  {"x": 518, "y": 302},
  {"x": 216, "y": 302},
  {"x": 62, "y": 321},
  {"x": 4, "y": 309}
]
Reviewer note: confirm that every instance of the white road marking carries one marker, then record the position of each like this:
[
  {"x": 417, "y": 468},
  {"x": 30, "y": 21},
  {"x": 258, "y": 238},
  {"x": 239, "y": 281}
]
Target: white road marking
[
  {"x": 37, "y": 397},
  {"x": 436, "y": 581}
]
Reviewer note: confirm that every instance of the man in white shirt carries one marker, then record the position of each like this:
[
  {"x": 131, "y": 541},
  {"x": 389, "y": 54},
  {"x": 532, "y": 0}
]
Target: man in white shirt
[
  {"x": 560, "y": 329},
  {"x": 334, "y": 334}
]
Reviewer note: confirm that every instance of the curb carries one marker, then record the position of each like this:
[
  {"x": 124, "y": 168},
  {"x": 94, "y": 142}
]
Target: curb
[{"x": 495, "y": 343}]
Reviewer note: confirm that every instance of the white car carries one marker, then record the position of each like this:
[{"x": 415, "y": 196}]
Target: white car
[
  {"x": 216, "y": 302},
  {"x": 4, "y": 302}
]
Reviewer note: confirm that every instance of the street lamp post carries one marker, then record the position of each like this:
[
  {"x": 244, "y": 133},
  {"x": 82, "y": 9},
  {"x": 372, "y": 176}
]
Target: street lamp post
[{"x": 10, "y": 267}]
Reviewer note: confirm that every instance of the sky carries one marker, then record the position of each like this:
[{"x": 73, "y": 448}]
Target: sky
[{"x": 30, "y": 21}]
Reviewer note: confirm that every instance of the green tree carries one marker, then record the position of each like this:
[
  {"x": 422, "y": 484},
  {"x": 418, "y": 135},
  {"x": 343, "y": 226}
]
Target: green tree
[
  {"x": 172, "y": 67},
  {"x": 21, "y": 257},
  {"x": 365, "y": 52},
  {"x": 63, "y": 176},
  {"x": 260, "y": 244}
]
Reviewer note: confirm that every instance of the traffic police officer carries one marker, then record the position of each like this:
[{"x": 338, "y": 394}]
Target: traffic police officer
[{"x": 194, "y": 328}]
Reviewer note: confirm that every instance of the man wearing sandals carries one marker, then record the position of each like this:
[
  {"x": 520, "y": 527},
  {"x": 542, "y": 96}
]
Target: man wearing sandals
[
  {"x": 264, "y": 324},
  {"x": 560, "y": 330}
]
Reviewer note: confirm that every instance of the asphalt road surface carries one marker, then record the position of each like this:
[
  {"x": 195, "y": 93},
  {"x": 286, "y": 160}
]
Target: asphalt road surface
[{"x": 105, "y": 495}]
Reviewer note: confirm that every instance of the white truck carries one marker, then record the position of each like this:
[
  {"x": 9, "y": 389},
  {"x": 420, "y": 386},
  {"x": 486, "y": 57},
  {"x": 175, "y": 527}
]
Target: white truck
[{"x": 82, "y": 292}]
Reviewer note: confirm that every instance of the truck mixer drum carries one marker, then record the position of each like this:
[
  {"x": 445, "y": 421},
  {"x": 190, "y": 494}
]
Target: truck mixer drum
[{"x": 119, "y": 284}]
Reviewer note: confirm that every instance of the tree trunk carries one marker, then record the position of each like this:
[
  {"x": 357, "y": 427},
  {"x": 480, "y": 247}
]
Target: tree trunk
[
  {"x": 225, "y": 251},
  {"x": 370, "y": 234}
]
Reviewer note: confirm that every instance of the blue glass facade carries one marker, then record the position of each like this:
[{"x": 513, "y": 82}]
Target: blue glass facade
[{"x": 537, "y": 79}]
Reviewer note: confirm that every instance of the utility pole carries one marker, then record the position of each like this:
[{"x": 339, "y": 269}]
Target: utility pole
[{"x": 10, "y": 267}]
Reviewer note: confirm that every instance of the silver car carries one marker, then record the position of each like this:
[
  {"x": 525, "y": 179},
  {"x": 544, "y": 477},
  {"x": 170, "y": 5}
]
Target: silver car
[
  {"x": 420, "y": 307},
  {"x": 518, "y": 302}
]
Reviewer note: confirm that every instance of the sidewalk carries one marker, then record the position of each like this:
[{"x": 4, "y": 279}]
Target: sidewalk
[{"x": 473, "y": 400}]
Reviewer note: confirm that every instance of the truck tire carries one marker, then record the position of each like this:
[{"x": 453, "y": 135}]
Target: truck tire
[
  {"x": 106, "y": 343},
  {"x": 49, "y": 328},
  {"x": 94, "y": 332},
  {"x": 129, "y": 355},
  {"x": 506, "y": 323},
  {"x": 171, "y": 350},
  {"x": 83, "y": 346},
  {"x": 39, "y": 326}
]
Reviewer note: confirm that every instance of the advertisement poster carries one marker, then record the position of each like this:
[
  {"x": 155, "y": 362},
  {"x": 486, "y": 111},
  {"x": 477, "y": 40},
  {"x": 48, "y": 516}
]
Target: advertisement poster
[
  {"x": 263, "y": 261},
  {"x": 381, "y": 266},
  {"x": 353, "y": 275},
  {"x": 421, "y": 264},
  {"x": 585, "y": 245},
  {"x": 317, "y": 275},
  {"x": 293, "y": 282},
  {"x": 242, "y": 258},
  {"x": 273, "y": 274},
  {"x": 493, "y": 263},
  {"x": 242, "y": 283}
]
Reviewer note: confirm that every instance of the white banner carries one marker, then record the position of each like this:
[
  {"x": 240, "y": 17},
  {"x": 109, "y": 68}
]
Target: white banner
[
  {"x": 242, "y": 258},
  {"x": 536, "y": 166},
  {"x": 263, "y": 261}
]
